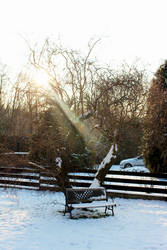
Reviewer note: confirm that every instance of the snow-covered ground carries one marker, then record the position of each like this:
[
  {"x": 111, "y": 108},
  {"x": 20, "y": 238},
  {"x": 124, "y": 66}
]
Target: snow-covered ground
[
  {"x": 142, "y": 169},
  {"x": 35, "y": 220}
]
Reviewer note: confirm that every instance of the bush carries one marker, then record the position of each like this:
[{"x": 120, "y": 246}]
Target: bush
[{"x": 58, "y": 137}]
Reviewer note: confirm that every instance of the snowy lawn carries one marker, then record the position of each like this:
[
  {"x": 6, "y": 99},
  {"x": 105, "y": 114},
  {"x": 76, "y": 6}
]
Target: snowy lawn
[{"x": 34, "y": 220}]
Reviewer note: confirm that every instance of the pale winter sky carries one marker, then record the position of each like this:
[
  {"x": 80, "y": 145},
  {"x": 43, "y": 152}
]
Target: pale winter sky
[{"x": 128, "y": 29}]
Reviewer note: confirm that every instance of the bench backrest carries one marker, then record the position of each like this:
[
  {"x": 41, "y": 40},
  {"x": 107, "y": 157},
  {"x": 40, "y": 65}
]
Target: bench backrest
[{"x": 79, "y": 195}]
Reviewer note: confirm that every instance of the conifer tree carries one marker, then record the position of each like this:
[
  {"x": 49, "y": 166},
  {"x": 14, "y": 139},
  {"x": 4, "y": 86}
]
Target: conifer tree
[{"x": 155, "y": 136}]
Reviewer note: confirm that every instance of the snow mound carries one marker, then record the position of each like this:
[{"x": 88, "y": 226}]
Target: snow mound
[{"x": 131, "y": 169}]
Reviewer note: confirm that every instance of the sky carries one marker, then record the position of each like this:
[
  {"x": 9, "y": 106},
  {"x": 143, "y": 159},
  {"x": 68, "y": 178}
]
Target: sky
[{"x": 129, "y": 30}]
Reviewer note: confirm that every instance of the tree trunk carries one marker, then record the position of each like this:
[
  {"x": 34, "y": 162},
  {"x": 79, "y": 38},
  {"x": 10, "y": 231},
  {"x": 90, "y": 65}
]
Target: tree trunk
[
  {"x": 104, "y": 167},
  {"x": 60, "y": 175}
]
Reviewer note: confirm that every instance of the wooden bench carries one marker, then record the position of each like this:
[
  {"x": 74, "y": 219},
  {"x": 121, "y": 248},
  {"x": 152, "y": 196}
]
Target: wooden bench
[{"x": 84, "y": 198}]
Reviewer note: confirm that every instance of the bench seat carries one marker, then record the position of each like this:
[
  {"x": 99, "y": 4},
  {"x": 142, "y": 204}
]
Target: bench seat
[{"x": 92, "y": 205}]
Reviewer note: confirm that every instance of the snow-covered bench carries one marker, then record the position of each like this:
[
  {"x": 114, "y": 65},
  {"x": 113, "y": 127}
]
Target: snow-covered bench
[{"x": 84, "y": 198}]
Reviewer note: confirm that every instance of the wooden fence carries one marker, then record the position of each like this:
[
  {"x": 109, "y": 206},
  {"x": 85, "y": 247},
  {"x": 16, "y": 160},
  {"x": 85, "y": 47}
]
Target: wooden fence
[{"x": 117, "y": 183}]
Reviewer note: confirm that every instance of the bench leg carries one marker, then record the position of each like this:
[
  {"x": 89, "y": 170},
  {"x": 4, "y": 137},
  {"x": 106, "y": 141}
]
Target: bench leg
[
  {"x": 112, "y": 209},
  {"x": 66, "y": 209},
  {"x": 71, "y": 214},
  {"x": 70, "y": 211}
]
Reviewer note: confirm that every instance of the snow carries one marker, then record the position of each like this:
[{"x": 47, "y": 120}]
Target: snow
[
  {"x": 95, "y": 183},
  {"x": 35, "y": 220},
  {"x": 58, "y": 162},
  {"x": 130, "y": 169},
  {"x": 93, "y": 204},
  {"x": 16, "y": 153},
  {"x": 107, "y": 159},
  {"x": 85, "y": 115}
]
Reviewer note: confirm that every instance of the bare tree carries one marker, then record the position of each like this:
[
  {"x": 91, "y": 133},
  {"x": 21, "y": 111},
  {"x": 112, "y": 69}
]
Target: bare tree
[
  {"x": 118, "y": 102},
  {"x": 70, "y": 73}
]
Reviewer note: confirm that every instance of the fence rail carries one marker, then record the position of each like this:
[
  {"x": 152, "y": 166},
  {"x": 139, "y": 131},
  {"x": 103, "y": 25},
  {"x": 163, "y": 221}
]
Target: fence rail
[{"x": 117, "y": 183}]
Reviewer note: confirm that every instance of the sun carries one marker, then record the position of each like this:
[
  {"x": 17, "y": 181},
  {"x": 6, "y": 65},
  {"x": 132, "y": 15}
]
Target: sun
[{"x": 41, "y": 78}]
